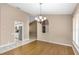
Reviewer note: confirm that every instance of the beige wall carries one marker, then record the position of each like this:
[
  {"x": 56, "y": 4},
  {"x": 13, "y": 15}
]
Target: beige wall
[
  {"x": 59, "y": 29},
  {"x": 8, "y": 16}
]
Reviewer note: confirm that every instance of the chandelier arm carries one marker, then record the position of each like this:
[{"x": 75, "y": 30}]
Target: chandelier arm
[{"x": 40, "y": 18}]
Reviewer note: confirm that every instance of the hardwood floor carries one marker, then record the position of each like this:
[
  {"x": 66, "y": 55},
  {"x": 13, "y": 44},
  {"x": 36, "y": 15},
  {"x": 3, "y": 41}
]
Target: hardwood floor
[{"x": 41, "y": 48}]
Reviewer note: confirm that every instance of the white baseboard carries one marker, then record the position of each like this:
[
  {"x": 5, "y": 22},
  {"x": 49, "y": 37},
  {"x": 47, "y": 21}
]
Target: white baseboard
[
  {"x": 75, "y": 48},
  {"x": 12, "y": 45},
  {"x": 7, "y": 47},
  {"x": 55, "y": 43}
]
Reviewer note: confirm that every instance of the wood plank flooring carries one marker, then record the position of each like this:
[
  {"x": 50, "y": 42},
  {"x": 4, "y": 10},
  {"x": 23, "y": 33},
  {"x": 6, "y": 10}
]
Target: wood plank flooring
[{"x": 41, "y": 48}]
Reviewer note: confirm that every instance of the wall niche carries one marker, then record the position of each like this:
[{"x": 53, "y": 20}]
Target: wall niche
[{"x": 44, "y": 26}]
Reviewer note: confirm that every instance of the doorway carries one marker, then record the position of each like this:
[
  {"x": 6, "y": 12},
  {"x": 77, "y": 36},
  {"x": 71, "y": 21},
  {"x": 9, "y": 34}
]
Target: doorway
[
  {"x": 18, "y": 31},
  {"x": 33, "y": 30}
]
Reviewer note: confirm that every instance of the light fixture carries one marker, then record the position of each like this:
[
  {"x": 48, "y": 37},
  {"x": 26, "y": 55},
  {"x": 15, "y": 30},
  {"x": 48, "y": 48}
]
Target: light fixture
[{"x": 40, "y": 18}]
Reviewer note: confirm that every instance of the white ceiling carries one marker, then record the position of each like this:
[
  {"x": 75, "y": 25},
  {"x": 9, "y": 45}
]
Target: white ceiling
[{"x": 47, "y": 8}]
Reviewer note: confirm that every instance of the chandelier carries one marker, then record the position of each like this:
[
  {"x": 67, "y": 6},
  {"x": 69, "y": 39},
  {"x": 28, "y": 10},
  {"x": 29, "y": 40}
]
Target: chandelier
[{"x": 40, "y": 18}]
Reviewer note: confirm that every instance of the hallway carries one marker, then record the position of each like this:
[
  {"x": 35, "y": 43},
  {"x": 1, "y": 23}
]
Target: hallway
[{"x": 33, "y": 30}]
